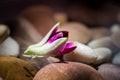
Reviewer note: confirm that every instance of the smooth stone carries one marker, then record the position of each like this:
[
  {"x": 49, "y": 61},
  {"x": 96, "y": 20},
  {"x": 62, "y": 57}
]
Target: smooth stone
[
  {"x": 100, "y": 32},
  {"x": 103, "y": 42},
  {"x": 29, "y": 30},
  {"x": 103, "y": 55},
  {"x": 115, "y": 28},
  {"x": 85, "y": 54},
  {"x": 53, "y": 59},
  {"x": 77, "y": 31},
  {"x": 41, "y": 16},
  {"x": 9, "y": 48},
  {"x": 61, "y": 17},
  {"x": 109, "y": 71},
  {"x": 1, "y": 78},
  {"x": 82, "y": 53},
  {"x": 116, "y": 59},
  {"x": 12, "y": 68},
  {"x": 67, "y": 71}
]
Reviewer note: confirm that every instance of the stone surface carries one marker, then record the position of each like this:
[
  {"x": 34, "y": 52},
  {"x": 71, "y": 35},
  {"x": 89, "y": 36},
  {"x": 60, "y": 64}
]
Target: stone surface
[
  {"x": 77, "y": 32},
  {"x": 67, "y": 71},
  {"x": 9, "y": 48},
  {"x": 116, "y": 59},
  {"x": 104, "y": 42},
  {"x": 103, "y": 55},
  {"x": 12, "y": 68},
  {"x": 85, "y": 54},
  {"x": 61, "y": 17},
  {"x": 40, "y": 16},
  {"x": 109, "y": 71},
  {"x": 82, "y": 53}
]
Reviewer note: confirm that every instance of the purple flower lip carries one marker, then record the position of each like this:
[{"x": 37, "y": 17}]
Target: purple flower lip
[
  {"x": 66, "y": 48},
  {"x": 57, "y": 35}
]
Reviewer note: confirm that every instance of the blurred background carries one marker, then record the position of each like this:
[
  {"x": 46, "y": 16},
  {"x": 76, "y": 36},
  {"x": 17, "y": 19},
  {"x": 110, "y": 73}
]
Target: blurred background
[{"x": 90, "y": 12}]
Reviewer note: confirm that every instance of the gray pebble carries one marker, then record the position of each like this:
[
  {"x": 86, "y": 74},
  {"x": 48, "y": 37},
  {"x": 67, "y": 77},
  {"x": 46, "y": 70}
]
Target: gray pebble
[
  {"x": 116, "y": 59},
  {"x": 109, "y": 71},
  {"x": 1, "y": 78}
]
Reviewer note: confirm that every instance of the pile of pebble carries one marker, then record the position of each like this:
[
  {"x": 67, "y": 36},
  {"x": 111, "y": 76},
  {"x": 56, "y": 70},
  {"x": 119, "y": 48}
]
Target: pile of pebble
[
  {"x": 95, "y": 58},
  {"x": 11, "y": 67}
]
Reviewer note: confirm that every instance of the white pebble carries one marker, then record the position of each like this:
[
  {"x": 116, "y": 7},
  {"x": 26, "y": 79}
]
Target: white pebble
[
  {"x": 115, "y": 28},
  {"x": 85, "y": 54},
  {"x": 1, "y": 78},
  {"x": 103, "y": 55},
  {"x": 102, "y": 42},
  {"x": 82, "y": 53},
  {"x": 9, "y": 48},
  {"x": 116, "y": 59},
  {"x": 53, "y": 59}
]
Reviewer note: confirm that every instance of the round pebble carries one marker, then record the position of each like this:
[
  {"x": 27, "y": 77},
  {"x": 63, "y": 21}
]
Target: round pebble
[
  {"x": 12, "y": 68},
  {"x": 9, "y": 48},
  {"x": 115, "y": 28},
  {"x": 40, "y": 16},
  {"x": 67, "y": 71},
  {"x": 77, "y": 32},
  {"x": 109, "y": 71},
  {"x": 116, "y": 59},
  {"x": 103, "y": 55},
  {"x": 61, "y": 17},
  {"x": 102, "y": 42},
  {"x": 1, "y": 78},
  {"x": 85, "y": 54},
  {"x": 82, "y": 53}
]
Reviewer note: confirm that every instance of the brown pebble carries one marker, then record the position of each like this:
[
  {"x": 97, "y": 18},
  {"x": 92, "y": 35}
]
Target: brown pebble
[
  {"x": 67, "y": 71},
  {"x": 12, "y": 68},
  {"x": 40, "y": 16},
  {"x": 77, "y": 32},
  {"x": 61, "y": 17}
]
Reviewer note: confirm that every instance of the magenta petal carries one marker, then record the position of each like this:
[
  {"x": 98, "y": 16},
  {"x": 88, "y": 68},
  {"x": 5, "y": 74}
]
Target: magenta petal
[
  {"x": 66, "y": 48},
  {"x": 65, "y": 33},
  {"x": 55, "y": 37},
  {"x": 54, "y": 31}
]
